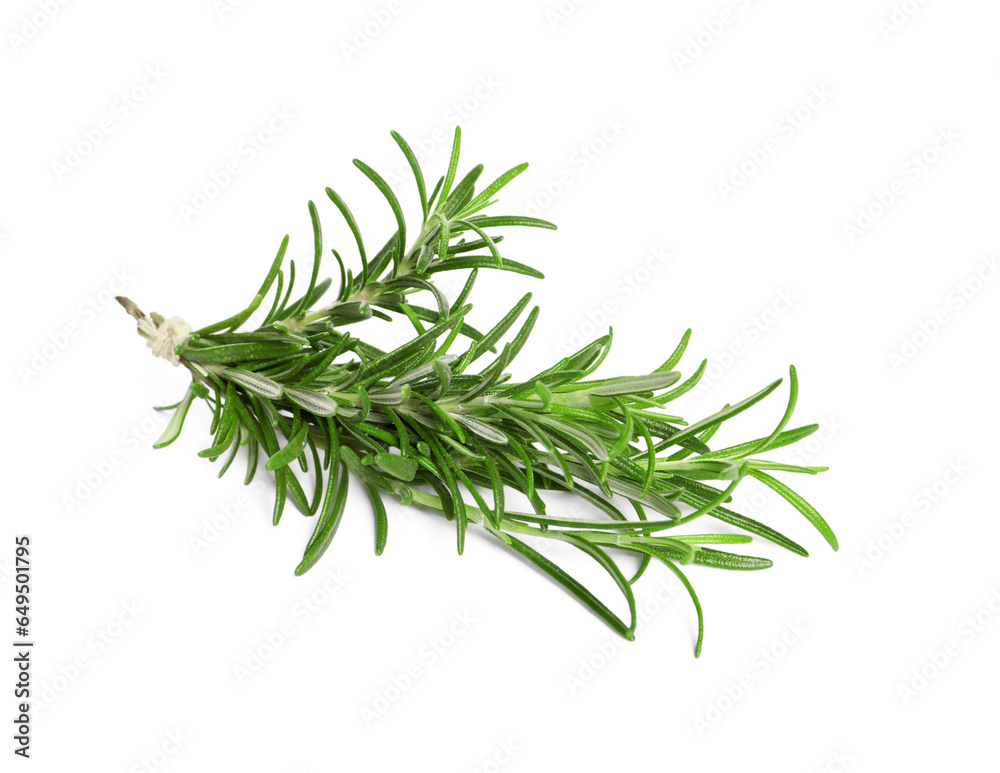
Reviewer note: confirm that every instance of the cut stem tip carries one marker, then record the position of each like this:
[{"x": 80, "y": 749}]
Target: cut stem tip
[{"x": 133, "y": 310}]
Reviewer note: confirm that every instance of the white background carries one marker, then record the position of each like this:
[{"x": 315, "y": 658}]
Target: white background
[{"x": 634, "y": 116}]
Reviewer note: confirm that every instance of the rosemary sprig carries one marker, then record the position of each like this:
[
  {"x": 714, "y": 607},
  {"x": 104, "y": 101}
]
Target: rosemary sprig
[{"x": 441, "y": 424}]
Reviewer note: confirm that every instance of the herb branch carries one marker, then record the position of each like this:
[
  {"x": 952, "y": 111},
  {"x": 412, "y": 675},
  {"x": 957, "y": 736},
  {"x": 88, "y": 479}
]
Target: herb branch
[{"x": 439, "y": 422}]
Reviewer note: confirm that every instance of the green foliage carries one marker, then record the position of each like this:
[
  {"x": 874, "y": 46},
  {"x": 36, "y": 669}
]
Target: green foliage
[{"x": 417, "y": 424}]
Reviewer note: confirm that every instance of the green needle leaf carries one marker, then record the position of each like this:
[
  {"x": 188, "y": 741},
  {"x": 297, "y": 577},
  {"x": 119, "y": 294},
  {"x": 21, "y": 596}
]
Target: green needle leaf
[
  {"x": 800, "y": 504},
  {"x": 256, "y": 383},
  {"x": 381, "y": 521},
  {"x": 314, "y": 402},
  {"x": 417, "y": 173},
  {"x": 353, "y": 225},
  {"x": 236, "y": 353},
  {"x": 397, "y": 466},
  {"x": 386, "y": 191},
  {"x": 725, "y": 413},
  {"x": 317, "y": 258},
  {"x": 486, "y": 238},
  {"x": 697, "y": 605},
  {"x": 481, "y": 428},
  {"x": 635, "y": 384},
  {"x": 781, "y": 440},
  {"x": 176, "y": 423},
  {"x": 238, "y": 319},
  {"x": 483, "y": 199},
  {"x": 291, "y": 451},
  {"x": 449, "y": 178},
  {"x": 674, "y": 358},
  {"x": 575, "y": 587},
  {"x": 328, "y": 521},
  {"x": 505, "y": 220}
]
